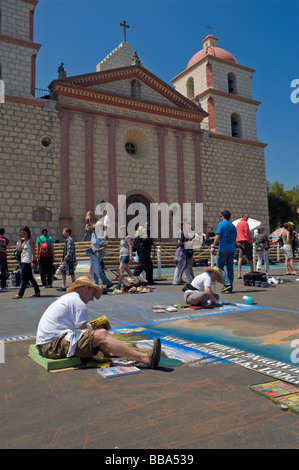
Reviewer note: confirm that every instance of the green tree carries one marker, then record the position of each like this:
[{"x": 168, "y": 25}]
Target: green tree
[{"x": 282, "y": 205}]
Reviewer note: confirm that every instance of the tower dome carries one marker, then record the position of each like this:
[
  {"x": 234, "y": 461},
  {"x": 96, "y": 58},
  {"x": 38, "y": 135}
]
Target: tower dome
[{"x": 210, "y": 49}]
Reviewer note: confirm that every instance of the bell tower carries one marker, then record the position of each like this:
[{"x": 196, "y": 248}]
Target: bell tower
[
  {"x": 223, "y": 89},
  {"x": 18, "y": 51}
]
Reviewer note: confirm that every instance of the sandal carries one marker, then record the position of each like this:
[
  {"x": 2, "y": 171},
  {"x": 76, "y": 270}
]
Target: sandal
[
  {"x": 35, "y": 295},
  {"x": 17, "y": 297}
]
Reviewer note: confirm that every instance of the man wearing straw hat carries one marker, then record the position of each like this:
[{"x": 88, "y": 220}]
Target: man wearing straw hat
[
  {"x": 200, "y": 292},
  {"x": 63, "y": 330}
]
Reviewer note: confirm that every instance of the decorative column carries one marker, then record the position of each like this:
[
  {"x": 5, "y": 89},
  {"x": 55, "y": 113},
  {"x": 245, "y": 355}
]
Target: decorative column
[
  {"x": 112, "y": 188},
  {"x": 89, "y": 163},
  {"x": 211, "y": 111},
  {"x": 209, "y": 75},
  {"x": 161, "y": 162},
  {"x": 197, "y": 167},
  {"x": 65, "y": 169},
  {"x": 180, "y": 167}
]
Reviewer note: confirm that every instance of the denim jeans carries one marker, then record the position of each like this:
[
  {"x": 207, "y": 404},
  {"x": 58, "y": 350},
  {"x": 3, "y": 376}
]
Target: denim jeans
[
  {"x": 227, "y": 259},
  {"x": 102, "y": 275},
  {"x": 178, "y": 269}
]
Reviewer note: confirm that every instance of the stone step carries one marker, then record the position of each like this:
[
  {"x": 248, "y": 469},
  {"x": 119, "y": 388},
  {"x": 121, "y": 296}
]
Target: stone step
[{"x": 168, "y": 250}]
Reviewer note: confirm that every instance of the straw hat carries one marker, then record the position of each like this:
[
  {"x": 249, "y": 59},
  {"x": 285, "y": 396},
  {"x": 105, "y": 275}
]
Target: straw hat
[
  {"x": 218, "y": 272},
  {"x": 85, "y": 281}
]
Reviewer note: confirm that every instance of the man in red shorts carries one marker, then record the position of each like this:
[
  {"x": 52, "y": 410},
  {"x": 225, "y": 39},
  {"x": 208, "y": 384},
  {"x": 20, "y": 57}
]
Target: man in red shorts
[{"x": 244, "y": 243}]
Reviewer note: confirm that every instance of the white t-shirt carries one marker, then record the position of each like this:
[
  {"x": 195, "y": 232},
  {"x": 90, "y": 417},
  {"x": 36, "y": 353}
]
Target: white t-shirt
[
  {"x": 106, "y": 222},
  {"x": 201, "y": 281},
  {"x": 66, "y": 315}
]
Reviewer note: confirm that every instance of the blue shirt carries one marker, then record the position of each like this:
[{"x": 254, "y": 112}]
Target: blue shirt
[
  {"x": 97, "y": 242},
  {"x": 228, "y": 235}
]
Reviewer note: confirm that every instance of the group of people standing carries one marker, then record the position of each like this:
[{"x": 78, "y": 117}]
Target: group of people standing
[
  {"x": 227, "y": 237},
  {"x": 142, "y": 245},
  {"x": 31, "y": 254}
]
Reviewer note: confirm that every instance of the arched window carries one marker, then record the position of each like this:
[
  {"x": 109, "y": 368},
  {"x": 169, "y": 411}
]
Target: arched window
[
  {"x": 190, "y": 87},
  {"x": 232, "y": 83},
  {"x": 236, "y": 125},
  {"x": 135, "y": 89}
]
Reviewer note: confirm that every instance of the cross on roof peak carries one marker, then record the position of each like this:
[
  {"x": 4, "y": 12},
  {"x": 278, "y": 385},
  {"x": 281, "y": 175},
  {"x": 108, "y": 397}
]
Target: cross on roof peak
[
  {"x": 124, "y": 25},
  {"x": 209, "y": 28}
]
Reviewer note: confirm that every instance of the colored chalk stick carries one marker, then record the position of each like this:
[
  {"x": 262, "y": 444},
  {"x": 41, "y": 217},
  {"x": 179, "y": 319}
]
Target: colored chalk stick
[{"x": 52, "y": 364}]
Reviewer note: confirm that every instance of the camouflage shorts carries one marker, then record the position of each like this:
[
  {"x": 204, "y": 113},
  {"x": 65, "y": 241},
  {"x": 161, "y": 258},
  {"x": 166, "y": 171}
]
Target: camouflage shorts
[{"x": 58, "y": 348}]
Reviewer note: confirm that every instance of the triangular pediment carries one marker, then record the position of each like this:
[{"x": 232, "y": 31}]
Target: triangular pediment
[{"x": 133, "y": 83}]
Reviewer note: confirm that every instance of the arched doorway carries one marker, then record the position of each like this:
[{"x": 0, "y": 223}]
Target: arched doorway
[{"x": 138, "y": 208}]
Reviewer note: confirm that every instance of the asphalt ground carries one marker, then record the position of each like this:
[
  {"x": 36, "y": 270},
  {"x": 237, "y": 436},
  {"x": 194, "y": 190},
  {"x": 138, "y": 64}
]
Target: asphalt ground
[{"x": 177, "y": 408}]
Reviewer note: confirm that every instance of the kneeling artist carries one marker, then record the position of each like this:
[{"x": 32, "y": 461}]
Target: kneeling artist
[{"x": 200, "y": 292}]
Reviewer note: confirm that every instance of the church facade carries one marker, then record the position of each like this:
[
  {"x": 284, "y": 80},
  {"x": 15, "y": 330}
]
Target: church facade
[{"x": 120, "y": 130}]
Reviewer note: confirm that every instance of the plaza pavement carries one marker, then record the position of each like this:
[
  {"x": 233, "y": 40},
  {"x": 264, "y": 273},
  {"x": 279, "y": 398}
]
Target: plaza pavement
[{"x": 175, "y": 409}]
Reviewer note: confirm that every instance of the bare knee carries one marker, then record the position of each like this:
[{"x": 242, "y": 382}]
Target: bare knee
[{"x": 100, "y": 339}]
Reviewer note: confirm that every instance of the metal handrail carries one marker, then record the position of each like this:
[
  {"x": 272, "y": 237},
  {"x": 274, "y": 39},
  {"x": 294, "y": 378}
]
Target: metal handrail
[{"x": 44, "y": 94}]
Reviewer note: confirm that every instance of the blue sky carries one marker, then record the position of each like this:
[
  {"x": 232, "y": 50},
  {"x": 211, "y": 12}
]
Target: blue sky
[{"x": 262, "y": 35}]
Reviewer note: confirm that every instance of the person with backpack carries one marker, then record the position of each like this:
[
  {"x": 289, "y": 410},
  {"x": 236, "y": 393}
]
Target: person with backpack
[{"x": 45, "y": 257}]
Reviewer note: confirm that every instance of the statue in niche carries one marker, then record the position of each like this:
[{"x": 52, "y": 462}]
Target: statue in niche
[{"x": 135, "y": 89}]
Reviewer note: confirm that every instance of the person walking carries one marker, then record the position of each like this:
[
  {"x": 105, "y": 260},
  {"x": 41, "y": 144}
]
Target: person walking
[
  {"x": 45, "y": 258},
  {"x": 98, "y": 247},
  {"x": 27, "y": 248},
  {"x": 87, "y": 225},
  {"x": 68, "y": 259},
  {"x": 125, "y": 254}
]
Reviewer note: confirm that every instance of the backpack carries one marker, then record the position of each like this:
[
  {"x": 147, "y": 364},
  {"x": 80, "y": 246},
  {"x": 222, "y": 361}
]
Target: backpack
[
  {"x": 44, "y": 250},
  {"x": 250, "y": 278},
  {"x": 133, "y": 281}
]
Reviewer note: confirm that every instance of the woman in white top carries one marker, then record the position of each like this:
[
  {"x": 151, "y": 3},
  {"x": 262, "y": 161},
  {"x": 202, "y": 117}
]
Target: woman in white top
[
  {"x": 27, "y": 247},
  {"x": 288, "y": 250},
  {"x": 125, "y": 254}
]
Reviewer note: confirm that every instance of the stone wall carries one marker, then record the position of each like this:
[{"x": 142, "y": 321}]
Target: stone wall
[
  {"x": 30, "y": 172},
  {"x": 233, "y": 178}
]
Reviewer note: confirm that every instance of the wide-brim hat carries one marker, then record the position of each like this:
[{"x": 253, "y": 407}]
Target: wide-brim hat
[
  {"x": 85, "y": 281},
  {"x": 218, "y": 272}
]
